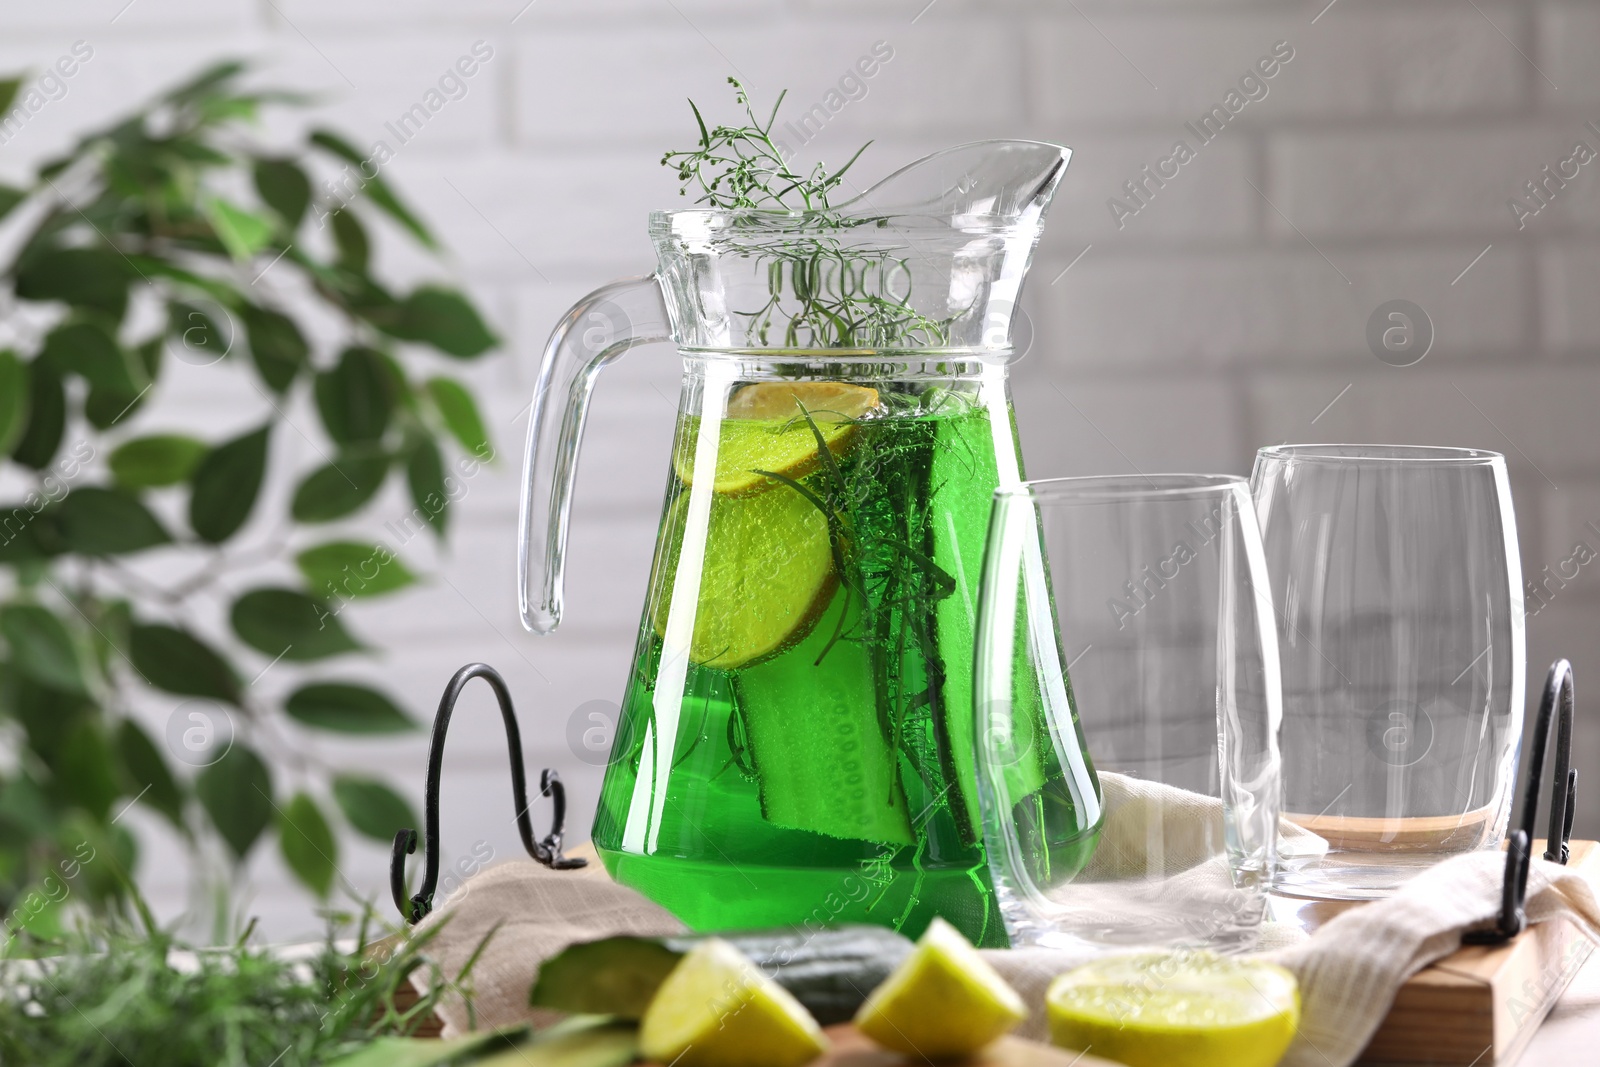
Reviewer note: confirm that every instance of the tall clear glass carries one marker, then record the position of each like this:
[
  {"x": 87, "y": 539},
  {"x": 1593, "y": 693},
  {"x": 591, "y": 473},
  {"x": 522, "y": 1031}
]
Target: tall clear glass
[
  {"x": 1399, "y": 597},
  {"x": 1153, "y": 592}
]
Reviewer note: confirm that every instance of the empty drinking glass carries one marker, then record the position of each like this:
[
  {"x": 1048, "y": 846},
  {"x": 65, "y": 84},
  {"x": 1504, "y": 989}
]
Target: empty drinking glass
[
  {"x": 1399, "y": 598},
  {"x": 1152, "y": 592}
]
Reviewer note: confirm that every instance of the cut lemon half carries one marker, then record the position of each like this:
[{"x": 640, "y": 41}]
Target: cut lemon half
[
  {"x": 942, "y": 1002},
  {"x": 1178, "y": 1009},
  {"x": 717, "y": 1009},
  {"x": 766, "y": 430}
]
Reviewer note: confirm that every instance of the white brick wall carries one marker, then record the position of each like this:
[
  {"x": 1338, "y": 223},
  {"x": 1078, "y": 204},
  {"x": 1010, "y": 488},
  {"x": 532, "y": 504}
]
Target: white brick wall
[{"x": 1207, "y": 324}]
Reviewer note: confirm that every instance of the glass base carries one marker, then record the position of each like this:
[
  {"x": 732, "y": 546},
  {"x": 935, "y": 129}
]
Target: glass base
[
  {"x": 1351, "y": 875},
  {"x": 1117, "y": 916}
]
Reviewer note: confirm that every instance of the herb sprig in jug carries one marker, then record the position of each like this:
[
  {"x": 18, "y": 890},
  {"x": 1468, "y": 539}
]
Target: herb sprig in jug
[{"x": 825, "y": 289}]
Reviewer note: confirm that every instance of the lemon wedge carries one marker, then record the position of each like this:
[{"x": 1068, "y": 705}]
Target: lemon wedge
[
  {"x": 943, "y": 1001},
  {"x": 766, "y": 430},
  {"x": 717, "y": 1009},
  {"x": 1177, "y": 1009}
]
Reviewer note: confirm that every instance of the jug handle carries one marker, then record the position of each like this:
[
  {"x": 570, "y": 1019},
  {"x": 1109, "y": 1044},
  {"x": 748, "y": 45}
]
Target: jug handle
[{"x": 594, "y": 332}]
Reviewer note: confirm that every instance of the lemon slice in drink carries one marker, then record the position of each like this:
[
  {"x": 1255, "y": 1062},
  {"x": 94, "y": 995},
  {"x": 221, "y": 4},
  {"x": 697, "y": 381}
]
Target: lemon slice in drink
[
  {"x": 766, "y": 430},
  {"x": 942, "y": 1002},
  {"x": 717, "y": 1009},
  {"x": 1178, "y": 1009},
  {"x": 766, "y": 576}
]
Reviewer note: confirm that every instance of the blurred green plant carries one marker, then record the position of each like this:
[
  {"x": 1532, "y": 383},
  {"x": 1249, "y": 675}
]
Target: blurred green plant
[{"x": 138, "y": 246}]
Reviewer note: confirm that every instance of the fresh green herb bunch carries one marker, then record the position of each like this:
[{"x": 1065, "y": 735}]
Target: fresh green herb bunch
[
  {"x": 823, "y": 291},
  {"x": 742, "y": 167},
  {"x": 128, "y": 1001}
]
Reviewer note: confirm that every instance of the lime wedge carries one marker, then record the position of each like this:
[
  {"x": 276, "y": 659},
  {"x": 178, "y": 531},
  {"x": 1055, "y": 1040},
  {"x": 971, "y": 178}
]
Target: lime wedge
[
  {"x": 1179, "y": 1009},
  {"x": 717, "y": 1009},
  {"x": 943, "y": 1001},
  {"x": 766, "y": 430},
  {"x": 766, "y": 576}
]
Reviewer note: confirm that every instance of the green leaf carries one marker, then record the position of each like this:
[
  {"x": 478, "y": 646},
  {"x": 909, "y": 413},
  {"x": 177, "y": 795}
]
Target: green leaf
[
  {"x": 10, "y": 196},
  {"x": 307, "y": 844},
  {"x": 442, "y": 318},
  {"x": 372, "y": 807},
  {"x": 226, "y": 484},
  {"x": 460, "y": 414},
  {"x": 47, "y": 417},
  {"x": 13, "y": 400},
  {"x": 356, "y": 398},
  {"x": 277, "y": 346},
  {"x": 351, "y": 238},
  {"x": 342, "y": 487},
  {"x": 9, "y": 88},
  {"x": 42, "y": 647},
  {"x": 148, "y": 772},
  {"x": 46, "y": 714},
  {"x": 375, "y": 188},
  {"x": 157, "y": 460},
  {"x": 88, "y": 350},
  {"x": 24, "y": 538},
  {"x": 243, "y": 233},
  {"x": 194, "y": 328},
  {"x": 287, "y": 623},
  {"x": 347, "y": 709},
  {"x": 104, "y": 408},
  {"x": 107, "y": 522},
  {"x": 283, "y": 187},
  {"x": 350, "y": 569},
  {"x": 425, "y": 476},
  {"x": 86, "y": 770},
  {"x": 93, "y": 278},
  {"x": 178, "y": 662},
  {"x": 236, "y": 792}
]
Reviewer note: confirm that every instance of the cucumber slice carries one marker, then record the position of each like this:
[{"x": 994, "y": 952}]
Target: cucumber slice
[
  {"x": 824, "y": 762},
  {"x": 830, "y": 971}
]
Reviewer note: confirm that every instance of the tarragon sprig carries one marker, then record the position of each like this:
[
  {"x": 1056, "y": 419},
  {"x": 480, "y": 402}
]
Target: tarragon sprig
[
  {"x": 822, "y": 291},
  {"x": 742, "y": 166}
]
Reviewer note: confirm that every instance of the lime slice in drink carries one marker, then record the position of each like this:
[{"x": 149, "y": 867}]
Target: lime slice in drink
[
  {"x": 766, "y": 430},
  {"x": 1178, "y": 1009},
  {"x": 944, "y": 1001},
  {"x": 717, "y": 1009},
  {"x": 766, "y": 576}
]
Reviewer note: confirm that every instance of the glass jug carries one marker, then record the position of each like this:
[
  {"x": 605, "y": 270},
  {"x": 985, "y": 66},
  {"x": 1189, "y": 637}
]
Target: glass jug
[{"x": 796, "y": 740}]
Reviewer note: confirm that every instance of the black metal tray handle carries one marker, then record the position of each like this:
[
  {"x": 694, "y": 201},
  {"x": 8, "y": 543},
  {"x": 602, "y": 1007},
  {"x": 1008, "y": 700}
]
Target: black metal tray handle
[
  {"x": 546, "y": 850},
  {"x": 1558, "y": 700}
]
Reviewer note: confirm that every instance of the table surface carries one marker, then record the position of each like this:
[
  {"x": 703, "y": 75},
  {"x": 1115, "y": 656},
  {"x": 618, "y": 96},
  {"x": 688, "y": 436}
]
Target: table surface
[{"x": 1572, "y": 1032}]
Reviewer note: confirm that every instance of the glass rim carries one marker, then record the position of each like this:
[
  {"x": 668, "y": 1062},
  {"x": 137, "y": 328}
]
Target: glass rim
[
  {"x": 1382, "y": 454},
  {"x": 1112, "y": 488}
]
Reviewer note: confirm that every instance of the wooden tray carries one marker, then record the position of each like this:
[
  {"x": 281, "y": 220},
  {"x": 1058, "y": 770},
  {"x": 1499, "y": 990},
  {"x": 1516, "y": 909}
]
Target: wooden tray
[{"x": 1480, "y": 1006}]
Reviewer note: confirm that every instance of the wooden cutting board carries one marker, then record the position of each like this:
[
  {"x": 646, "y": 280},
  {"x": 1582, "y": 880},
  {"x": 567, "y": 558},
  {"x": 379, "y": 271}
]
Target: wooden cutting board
[{"x": 850, "y": 1049}]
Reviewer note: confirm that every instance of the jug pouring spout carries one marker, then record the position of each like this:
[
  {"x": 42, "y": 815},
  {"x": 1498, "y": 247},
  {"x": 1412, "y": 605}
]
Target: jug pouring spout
[{"x": 995, "y": 179}]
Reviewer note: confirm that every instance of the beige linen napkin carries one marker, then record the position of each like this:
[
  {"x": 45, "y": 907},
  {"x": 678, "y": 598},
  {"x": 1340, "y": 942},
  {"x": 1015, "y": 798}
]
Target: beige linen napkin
[{"x": 532, "y": 913}]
